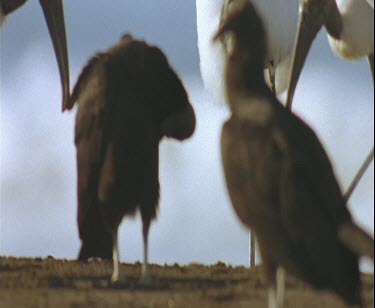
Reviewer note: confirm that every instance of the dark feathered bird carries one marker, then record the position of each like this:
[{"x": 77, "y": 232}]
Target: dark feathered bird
[
  {"x": 129, "y": 98},
  {"x": 279, "y": 177},
  {"x": 54, "y": 16}
]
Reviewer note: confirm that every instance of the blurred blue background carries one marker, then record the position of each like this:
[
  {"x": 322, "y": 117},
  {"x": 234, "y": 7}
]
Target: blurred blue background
[{"x": 196, "y": 222}]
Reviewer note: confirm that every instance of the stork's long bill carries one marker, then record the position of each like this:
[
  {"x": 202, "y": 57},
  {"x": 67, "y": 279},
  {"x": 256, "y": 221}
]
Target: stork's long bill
[
  {"x": 314, "y": 14},
  {"x": 54, "y": 15}
]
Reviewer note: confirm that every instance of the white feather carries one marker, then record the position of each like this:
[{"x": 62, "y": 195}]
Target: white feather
[
  {"x": 280, "y": 19},
  {"x": 357, "y": 38}
]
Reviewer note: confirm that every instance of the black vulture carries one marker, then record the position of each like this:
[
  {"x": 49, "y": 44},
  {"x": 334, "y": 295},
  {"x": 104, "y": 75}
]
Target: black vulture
[
  {"x": 279, "y": 177},
  {"x": 129, "y": 99}
]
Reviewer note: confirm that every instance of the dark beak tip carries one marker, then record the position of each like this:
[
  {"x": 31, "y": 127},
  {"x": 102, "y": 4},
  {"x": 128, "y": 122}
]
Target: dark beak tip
[
  {"x": 54, "y": 15},
  {"x": 67, "y": 105}
]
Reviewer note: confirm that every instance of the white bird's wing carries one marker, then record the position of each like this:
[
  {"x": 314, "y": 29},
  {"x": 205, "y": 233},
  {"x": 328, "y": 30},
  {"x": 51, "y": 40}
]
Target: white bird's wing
[{"x": 371, "y": 2}]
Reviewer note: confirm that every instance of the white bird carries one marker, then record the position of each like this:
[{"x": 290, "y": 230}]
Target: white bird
[
  {"x": 350, "y": 30},
  {"x": 280, "y": 19}
]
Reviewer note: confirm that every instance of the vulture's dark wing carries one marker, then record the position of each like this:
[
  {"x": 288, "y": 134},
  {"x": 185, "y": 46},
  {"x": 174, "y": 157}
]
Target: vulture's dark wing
[
  {"x": 117, "y": 141},
  {"x": 312, "y": 209},
  {"x": 253, "y": 166},
  {"x": 90, "y": 138},
  {"x": 282, "y": 184}
]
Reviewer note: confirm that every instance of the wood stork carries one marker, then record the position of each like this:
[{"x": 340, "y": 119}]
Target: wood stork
[
  {"x": 280, "y": 19},
  {"x": 129, "y": 99},
  {"x": 279, "y": 177},
  {"x": 54, "y": 16},
  {"x": 350, "y": 29}
]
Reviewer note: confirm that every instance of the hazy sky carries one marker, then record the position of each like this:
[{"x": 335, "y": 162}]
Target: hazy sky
[{"x": 196, "y": 221}]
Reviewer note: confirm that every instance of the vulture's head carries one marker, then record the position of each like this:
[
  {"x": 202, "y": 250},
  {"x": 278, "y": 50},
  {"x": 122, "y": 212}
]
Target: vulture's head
[{"x": 165, "y": 89}]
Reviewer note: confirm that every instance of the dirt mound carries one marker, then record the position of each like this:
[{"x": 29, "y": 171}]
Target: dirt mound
[{"x": 60, "y": 283}]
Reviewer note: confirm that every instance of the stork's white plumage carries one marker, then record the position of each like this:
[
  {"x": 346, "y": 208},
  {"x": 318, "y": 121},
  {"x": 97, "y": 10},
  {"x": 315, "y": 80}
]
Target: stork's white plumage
[
  {"x": 350, "y": 29},
  {"x": 357, "y": 37},
  {"x": 280, "y": 19}
]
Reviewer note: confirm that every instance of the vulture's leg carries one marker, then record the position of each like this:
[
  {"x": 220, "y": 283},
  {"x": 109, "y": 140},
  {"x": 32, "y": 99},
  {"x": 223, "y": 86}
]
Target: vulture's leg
[
  {"x": 280, "y": 287},
  {"x": 117, "y": 274},
  {"x": 146, "y": 274},
  {"x": 252, "y": 249}
]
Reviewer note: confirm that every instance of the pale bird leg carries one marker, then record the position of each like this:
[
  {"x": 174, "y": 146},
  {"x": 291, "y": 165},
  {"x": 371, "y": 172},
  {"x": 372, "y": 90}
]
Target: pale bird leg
[
  {"x": 362, "y": 170},
  {"x": 272, "y": 303},
  {"x": 280, "y": 287},
  {"x": 146, "y": 274},
  {"x": 117, "y": 274},
  {"x": 276, "y": 290},
  {"x": 371, "y": 62},
  {"x": 252, "y": 249}
]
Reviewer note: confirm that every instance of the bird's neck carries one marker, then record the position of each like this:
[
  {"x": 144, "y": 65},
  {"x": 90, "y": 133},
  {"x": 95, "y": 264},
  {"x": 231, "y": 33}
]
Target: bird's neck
[{"x": 245, "y": 79}]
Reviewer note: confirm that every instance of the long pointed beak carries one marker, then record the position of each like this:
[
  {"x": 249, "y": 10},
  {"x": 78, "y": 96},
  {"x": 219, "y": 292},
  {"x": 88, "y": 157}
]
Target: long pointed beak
[
  {"x": 313, "y": 14},
  {"x": 371, "y": 62},
  {"x": 54, "y": 15}
]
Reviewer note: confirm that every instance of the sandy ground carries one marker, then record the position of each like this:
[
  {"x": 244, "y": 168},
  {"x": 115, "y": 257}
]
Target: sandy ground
[{"x": 60, "y": 283}]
